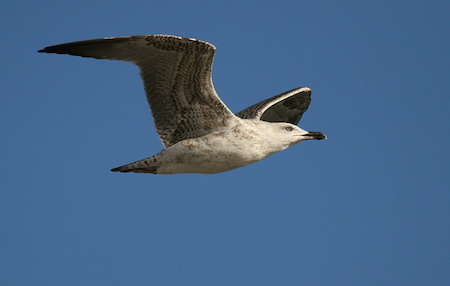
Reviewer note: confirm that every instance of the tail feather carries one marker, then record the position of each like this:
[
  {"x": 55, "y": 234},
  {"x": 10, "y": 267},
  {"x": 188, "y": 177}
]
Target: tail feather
[{"x": 147, "y": 165}]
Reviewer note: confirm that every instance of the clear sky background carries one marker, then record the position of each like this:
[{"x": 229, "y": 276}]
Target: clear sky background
[{"x": 369, "y": 206}]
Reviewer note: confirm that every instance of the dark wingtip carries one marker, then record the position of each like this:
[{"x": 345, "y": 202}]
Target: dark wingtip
[
  {"x": 48, "y": 50},
  {"x": 44, "y": 50},
  {"x": 119, "y": 169},
  {"x": 51, "y": 50}
]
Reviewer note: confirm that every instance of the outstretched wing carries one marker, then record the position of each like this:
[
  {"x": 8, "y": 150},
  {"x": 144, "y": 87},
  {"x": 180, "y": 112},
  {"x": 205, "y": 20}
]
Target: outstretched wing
[
  {"x": 286, "y": 107},
  {"x": 177, "y": 77}
]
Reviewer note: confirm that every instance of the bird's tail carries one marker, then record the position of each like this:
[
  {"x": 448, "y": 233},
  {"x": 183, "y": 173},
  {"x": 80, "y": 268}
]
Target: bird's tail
[{"x": 147, "y": 165}]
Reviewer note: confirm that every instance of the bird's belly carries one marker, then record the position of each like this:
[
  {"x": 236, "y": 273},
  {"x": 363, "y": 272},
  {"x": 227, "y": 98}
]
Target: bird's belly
[{"x": 208, "y": 156}]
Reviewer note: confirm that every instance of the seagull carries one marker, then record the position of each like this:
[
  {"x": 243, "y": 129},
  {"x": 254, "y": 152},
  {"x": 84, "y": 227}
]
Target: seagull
[{"x": 200, "y": 134}]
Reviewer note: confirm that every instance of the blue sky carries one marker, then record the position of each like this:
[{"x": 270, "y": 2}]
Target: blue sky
[{"x": 369, "y": 206}]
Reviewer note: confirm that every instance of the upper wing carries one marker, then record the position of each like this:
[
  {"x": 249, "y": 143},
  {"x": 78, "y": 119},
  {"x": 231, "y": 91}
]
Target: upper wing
[
  {"x": 177, "y": 77},
  {"x": 286, "y": 107}
]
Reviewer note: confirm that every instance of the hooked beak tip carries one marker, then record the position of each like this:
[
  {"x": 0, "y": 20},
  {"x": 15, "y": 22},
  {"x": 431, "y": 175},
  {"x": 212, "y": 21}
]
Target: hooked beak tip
[{"x": 315, "y": 135}]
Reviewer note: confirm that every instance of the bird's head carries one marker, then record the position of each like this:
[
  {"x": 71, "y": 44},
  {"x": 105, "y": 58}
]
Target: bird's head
[{"x": 287, "y": 134}]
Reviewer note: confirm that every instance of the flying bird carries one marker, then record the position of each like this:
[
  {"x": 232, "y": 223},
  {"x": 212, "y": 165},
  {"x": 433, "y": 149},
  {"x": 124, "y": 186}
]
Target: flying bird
[{"x": 200, "y": 134}]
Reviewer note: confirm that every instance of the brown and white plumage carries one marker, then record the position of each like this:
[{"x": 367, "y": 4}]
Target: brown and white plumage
[
  {"x": 177, "y": 78},
  {"x": 286, "y": 107},
  {"x": 176, "y": 72}
]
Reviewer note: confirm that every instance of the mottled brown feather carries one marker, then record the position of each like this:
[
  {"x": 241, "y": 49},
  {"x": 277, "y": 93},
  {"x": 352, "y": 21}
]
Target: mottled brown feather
[
  {"x": 177, "y": 78},
  {"x": 286, "y": 107}
]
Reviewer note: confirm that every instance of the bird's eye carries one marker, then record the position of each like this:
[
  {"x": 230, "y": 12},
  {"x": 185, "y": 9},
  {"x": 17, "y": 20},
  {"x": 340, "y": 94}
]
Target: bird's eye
[{"x": 289, "y": 128}]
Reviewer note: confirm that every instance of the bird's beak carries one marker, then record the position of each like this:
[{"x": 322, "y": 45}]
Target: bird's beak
[{"x": 315, "y": 135}]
